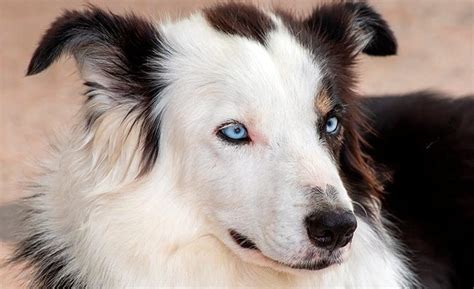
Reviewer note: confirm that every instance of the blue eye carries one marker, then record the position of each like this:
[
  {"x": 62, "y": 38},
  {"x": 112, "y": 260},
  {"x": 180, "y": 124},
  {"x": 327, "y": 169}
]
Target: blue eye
[
  {"x": 234, "y": 132},
  {"x": 332, "y": 124}
]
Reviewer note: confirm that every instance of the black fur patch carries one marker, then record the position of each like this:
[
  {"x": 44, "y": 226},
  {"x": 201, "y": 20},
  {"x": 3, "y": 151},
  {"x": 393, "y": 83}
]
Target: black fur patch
[
  {"x": 427, "y": 141},
  {"x": 349, "y": 23},
  {"x": 240, "y": 19},
  {"x": 121, "y": 49}
]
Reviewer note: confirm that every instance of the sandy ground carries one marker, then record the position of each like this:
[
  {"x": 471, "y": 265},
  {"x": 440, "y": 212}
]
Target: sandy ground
[{"x": 436, "y": 39}]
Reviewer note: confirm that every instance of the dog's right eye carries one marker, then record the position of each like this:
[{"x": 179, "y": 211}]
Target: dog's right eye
[{"x": 234, "y": 133}]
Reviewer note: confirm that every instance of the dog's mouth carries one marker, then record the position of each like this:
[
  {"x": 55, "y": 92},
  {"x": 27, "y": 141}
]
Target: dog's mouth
[{"x": 245, "y": 243}]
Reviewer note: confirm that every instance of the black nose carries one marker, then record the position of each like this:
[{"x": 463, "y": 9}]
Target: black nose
[{"x": 331, "y": 230}]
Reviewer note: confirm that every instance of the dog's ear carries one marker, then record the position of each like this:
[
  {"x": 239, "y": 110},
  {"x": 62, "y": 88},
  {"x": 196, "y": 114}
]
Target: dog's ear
[
  {"x": 355, "y": 25},
  {"x": 111, "y": 51},
  {"x": 119, "y": 59}
]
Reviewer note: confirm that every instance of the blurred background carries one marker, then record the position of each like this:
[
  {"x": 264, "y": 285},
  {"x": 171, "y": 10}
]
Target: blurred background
[{"x": 436, "y": 47}]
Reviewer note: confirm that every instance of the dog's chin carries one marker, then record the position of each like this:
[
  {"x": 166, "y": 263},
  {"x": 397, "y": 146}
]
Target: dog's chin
[{"x": 316, "y": 259}]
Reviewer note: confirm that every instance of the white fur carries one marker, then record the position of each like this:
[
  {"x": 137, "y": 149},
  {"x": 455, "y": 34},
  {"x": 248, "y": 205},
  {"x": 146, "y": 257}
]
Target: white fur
[{"x": 169, "y": 228}]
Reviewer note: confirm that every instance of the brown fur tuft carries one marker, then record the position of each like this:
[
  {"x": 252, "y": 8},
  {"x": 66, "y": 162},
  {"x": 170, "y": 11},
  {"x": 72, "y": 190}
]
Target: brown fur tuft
[{"x": 240, "y": 19}]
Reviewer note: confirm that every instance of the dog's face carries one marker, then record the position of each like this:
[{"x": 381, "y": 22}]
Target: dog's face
[
  {"x": 260, "y": 137},
  {"x": 256, "y": 109}
]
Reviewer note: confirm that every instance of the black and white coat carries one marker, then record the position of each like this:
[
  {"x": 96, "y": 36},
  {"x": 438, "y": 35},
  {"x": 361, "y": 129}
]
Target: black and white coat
[{"x": 146, "y": 191}]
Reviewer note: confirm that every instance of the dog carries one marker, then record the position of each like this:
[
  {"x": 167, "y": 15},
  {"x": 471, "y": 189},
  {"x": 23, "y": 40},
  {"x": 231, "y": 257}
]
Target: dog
[{"x": 227, "y": 149}]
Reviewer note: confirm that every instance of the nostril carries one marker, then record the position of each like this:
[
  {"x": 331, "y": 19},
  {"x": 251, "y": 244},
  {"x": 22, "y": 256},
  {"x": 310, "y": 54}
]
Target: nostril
[
  {"x": 323, "y": 238},
  {"x": 324, "y": 234}
]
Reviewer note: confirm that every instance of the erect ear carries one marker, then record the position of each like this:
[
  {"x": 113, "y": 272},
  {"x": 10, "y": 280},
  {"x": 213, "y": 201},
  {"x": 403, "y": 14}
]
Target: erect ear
[
  {"x": 355, "y": 25},
  {"x": 111, "y": 51}
]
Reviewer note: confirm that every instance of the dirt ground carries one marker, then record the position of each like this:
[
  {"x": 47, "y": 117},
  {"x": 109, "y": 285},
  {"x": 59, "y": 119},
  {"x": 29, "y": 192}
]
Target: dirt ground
[{"x": 436, "y": 46}]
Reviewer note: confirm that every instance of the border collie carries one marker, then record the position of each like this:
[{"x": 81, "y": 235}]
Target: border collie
[{"x": 225, "y": 149}]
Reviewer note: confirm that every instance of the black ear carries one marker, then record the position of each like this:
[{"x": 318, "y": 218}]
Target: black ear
[
  {"x": 110, "y": 50},
  {"x": 355, "y": 25},
  {"x": 119, "y": 58}
]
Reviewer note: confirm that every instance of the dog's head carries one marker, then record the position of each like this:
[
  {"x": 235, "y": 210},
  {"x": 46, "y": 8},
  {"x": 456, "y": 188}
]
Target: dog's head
[{"x": 252, "y": 113}]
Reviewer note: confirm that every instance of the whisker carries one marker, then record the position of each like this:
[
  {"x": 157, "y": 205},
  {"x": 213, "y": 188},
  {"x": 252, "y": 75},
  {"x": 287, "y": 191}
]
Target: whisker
[{"x": 361, "y": 206}]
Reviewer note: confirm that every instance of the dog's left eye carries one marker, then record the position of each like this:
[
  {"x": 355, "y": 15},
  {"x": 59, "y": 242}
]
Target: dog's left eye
[
  {"x": 332, "y": 125},
  {"x": 235, "y": 133}
]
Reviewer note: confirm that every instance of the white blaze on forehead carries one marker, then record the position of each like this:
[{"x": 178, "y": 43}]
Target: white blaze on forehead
[
  {"x": 300, "y": 73},
  {"x": 282, "y": 73}
]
